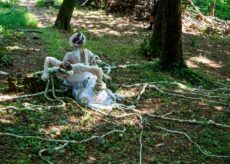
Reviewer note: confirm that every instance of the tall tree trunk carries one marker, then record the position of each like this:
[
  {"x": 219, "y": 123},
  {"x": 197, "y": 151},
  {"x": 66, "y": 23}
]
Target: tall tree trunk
[
  {"x": 64, "y": 15},
  {"x": 168, "y": 39},
  {"x": 212, "y": 8},
  {"x": 156, "y": 41}
]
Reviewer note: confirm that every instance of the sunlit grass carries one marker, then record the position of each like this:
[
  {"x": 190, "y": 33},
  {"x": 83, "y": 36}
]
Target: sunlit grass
[
  {"x": 17, "y": 17},
  {"x": 112, "y": 49},
  {"x": 55, "y": 43}
]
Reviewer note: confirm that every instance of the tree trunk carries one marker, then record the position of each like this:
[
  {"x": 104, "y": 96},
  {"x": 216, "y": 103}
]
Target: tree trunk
[
  {"x": 156, "y": 41},
  {"x": 212, "y": 8},
  {"x": 167, "y": 34},
  {"x": 64, "y": 16}
]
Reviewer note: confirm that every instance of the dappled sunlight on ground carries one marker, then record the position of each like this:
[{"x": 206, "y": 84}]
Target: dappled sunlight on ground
[
  {"x": 191, "y": 64},
  {"x": 45, "y": 17},
  {"x": 208, "y": 53},
  {"x": 127, "y": 93},
  {"x": 53, "y": 130},
  {"x": 97, "y": 22},
  {"x": 218, "y": 108},
  {"x": 7, "y": 120},
  {"x": 204, "y": 60}
]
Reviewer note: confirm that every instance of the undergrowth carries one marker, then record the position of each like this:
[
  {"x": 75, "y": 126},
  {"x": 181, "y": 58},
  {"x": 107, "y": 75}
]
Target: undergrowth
[
  {"x": 14, "y": 16},
  {"x": 221, "y": 10},
  {"x": 152, "y": 72}
]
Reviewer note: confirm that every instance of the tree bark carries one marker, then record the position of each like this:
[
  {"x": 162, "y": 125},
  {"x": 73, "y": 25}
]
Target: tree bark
[
  {"x": 212, "y": 8},
  {"x": 64, "y": 15},
  {"x": 156, "y": 41},
  {"x": 167, "y": 34}
]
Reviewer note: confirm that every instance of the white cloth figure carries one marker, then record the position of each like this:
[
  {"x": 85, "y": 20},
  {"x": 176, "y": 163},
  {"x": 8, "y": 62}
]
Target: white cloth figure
[
  {"x": 84, "y": 92},
  {"x": 84, "y": 78}
]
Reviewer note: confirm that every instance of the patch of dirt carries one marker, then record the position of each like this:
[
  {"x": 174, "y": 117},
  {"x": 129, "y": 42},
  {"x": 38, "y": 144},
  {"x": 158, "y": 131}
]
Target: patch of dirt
[
  {"x": 26, "y": 53},
  {"x": 44, "y": 16}
]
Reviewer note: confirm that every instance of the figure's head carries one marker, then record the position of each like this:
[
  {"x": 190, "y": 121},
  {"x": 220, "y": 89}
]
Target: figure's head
[{"x": 77, "y": 40}]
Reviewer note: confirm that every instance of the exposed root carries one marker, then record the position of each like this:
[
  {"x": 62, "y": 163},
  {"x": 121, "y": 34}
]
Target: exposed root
[
  {"x": 184, "y": 95},
  {"x": 141, "y": 93},
  {"x": 196, "y": 144},
  {"x": 124, "y": 109}
]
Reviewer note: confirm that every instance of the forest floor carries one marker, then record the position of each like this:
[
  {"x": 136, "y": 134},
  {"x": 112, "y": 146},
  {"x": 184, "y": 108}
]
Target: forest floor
[{"x": 201, "y": 92}]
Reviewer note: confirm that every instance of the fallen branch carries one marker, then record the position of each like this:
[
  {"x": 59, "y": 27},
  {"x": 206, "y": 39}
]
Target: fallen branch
[
  {"x": 178, "y": 94},
  {"x": 210, "y": 122},
  {"x": 185, "y": 97}
]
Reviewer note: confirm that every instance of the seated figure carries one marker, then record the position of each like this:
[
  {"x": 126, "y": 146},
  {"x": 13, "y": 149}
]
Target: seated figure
[{"x": 79, "y": 70}]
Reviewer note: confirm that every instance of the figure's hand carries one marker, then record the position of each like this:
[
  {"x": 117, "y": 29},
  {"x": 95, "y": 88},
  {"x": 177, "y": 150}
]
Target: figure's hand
[
  {"x": 45, "y": 76},
  {"x": 66, "y": 65},
  {"x": 100, "y": 86},
  {"x": 66, "y": 68}
]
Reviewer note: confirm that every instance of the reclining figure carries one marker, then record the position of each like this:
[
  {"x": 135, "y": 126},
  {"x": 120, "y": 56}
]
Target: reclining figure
[{"x": 79, "y": 70}]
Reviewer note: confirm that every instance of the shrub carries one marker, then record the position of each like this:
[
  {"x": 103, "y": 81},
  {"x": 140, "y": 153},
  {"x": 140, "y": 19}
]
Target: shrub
[{"x": 12, "y": 16}]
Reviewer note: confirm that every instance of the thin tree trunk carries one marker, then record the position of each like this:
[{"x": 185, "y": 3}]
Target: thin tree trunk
[
  {"x": 64, "y": 16},
  {"x": 212, "y": 8}
]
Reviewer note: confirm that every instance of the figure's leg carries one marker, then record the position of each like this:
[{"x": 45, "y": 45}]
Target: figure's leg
[{"x": 49, "y": 61}]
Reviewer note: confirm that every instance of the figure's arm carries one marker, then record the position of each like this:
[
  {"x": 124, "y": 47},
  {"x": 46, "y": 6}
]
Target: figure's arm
[
  {"x": 49, "y": 61},
  {"x": 92, "y": 69}
]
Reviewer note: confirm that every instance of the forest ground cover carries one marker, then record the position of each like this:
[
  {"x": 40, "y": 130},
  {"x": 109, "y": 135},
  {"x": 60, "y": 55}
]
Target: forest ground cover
[{"x": 117, "y": 41}]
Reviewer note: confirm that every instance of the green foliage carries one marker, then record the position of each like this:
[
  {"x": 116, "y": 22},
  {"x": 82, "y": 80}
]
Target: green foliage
[
  {"x": 115, "y": 49},
  {"x": 43, "y": 3},
  {"x": 194, "y": 41},
  {"x": 56, "y": 43},
  {"x": 221, "y": 10},
  {"x": 192, "y": 77},
  {"x": 145, "y": 48},
  {"x": 12, "y": 16},
  {"x": 40, "y": 3},
  {"x": 149, "y": 72},
  {"x": 5, "y": 59}
]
